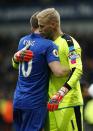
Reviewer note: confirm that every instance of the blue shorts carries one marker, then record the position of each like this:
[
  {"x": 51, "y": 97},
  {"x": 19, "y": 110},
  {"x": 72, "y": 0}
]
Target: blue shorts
[{"x": 29, "y": 120}]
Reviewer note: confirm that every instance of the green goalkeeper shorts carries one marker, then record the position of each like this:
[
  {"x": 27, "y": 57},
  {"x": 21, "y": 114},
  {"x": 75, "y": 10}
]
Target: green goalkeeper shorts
[{"x": 67, "y": 119}]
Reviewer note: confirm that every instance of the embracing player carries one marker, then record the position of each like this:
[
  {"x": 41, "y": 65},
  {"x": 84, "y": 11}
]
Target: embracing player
[
  {"x": 66, "y": 101},
  {"x": 31, "y": 93}
]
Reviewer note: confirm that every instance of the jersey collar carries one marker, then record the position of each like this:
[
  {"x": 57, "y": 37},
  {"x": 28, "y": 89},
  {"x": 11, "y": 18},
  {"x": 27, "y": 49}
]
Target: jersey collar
[
  {"x": 58, "y": 38},
  {"x": 35, "y": 35}
]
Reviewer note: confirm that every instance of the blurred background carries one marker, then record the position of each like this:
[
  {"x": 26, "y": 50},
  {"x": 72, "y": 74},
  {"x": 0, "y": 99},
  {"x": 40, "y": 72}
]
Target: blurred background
[{"x": 76, "y": 19}]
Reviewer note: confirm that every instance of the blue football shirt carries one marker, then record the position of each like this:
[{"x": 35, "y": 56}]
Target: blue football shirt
[{"x": 33, "y": 78}]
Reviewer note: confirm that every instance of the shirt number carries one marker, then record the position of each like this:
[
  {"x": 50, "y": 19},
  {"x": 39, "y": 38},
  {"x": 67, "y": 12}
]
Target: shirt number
[{"x": 27, "y": 72}]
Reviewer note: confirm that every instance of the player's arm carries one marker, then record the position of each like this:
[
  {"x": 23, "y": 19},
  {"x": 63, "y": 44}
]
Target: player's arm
[
  {"x": 22, "y": 55},
  {"x": 75, "y": 63},
  {"x": 54, "y": 62},
  {"x": 15, "y": 64},
  {"x": 58, "y": 70}
]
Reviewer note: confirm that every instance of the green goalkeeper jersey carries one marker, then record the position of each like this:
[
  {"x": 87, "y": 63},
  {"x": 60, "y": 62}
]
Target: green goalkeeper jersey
[{"x": 70, "y": 56}]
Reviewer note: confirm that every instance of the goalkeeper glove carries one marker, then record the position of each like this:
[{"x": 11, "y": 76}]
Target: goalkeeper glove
[
  {"x": 23, "y": 55},
  {"x": 56, "y": 99}
]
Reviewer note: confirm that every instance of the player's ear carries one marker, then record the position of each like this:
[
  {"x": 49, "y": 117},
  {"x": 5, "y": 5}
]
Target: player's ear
[{"x": 32, "y": 29}]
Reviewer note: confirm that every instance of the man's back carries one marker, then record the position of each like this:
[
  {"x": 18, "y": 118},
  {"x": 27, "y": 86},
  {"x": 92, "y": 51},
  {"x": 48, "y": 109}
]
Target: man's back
[{"x": 32, "y": 85}]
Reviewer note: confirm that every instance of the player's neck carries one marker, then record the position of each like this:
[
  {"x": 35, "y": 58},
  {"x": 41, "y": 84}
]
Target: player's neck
[
  {"x": 37, "y": 31},
  {"x": 57, "y": 34}
]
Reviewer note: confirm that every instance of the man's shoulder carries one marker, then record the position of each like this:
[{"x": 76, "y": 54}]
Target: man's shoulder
[
  {"x": 69, "y": 40},
  {"x": 76, "y": 44},
  {"x": 24, "y": 37},
  {"x": 47, "y": 40}
]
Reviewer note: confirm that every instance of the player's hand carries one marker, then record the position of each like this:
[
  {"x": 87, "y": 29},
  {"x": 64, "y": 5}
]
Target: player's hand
[
  {"x": 53, "y": 103},
  {"x": 23, "y": 55}
]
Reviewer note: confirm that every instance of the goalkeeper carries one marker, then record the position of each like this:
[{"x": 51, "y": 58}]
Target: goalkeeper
[{"x": 66, "y": 103}]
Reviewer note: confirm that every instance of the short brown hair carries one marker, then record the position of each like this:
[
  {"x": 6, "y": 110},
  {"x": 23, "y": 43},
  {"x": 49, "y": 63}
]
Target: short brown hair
[{"x": 34, "y": 20}]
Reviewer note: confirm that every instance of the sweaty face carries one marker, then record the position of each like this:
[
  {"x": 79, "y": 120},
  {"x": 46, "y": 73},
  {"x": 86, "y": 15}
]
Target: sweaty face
[{"x": 45, "y": 29}]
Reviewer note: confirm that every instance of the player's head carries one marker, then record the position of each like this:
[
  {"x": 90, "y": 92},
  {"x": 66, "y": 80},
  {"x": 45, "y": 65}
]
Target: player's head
[
  {"x": 49, "y": 22},
  {"x": 34, "y": 22}
]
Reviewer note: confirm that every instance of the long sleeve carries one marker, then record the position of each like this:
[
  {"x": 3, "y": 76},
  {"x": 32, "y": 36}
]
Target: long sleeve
[{"x": 75, "y": 63}]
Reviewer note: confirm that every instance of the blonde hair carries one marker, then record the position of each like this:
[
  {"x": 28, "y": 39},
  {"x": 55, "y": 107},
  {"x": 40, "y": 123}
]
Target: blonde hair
[{"x": 49, "y": 14}]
